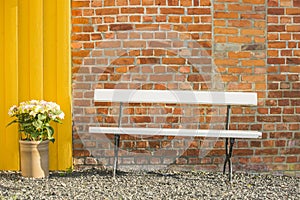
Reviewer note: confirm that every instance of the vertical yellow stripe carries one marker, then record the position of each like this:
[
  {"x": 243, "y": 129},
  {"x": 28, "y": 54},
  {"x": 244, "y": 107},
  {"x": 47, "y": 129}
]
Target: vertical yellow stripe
[
  {"x": 11, "y": 81},
  {"x": 50, "y": 67},
  {"x": 23, "y": 37},
  {"x": 64, "y": 83},
  {"x": 36, "y": 48},
  {"x": 2, "y": 107}
]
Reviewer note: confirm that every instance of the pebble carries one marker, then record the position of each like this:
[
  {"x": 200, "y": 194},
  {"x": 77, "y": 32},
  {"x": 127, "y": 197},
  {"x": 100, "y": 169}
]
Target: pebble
[{"x": 99, "y": 184}]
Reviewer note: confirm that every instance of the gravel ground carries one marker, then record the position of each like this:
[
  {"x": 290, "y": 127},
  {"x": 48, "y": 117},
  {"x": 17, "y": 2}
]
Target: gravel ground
[{"x": 98, "y": 184}]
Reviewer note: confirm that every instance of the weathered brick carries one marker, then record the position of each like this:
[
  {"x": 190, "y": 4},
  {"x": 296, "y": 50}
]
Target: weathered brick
[
  {"x": 276, "y": 11},
  {"x": 296, "y": 3},
  {"x": 293, "y": 60},
  {"x": 123, "y": 61},
  {"x": 276, "y": 61},
  {"x": 121, "y": 27},
  {"x": 148, "y": 60},
  {"x": 276, "y": 28},
  {"x": 254, "y": 47}
]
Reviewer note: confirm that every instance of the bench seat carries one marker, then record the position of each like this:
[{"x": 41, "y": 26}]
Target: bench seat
[{"x": 177, "y": 132}]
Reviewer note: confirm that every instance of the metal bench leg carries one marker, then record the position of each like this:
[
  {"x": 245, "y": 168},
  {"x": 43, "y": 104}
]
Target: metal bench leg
[
  {"x": 117, "y": 142},
  {"x": 228, "y": 151},
  {"x": 228, "y": 158}
]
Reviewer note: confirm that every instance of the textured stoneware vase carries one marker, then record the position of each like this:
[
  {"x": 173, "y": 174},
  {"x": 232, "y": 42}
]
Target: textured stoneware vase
[{"x": 34, "y": 158}]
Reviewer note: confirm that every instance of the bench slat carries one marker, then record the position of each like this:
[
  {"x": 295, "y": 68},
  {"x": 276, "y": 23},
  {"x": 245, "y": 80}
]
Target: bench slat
[
  {"x": 175, "y": 96},
  {"x": 177, "y": 132}
]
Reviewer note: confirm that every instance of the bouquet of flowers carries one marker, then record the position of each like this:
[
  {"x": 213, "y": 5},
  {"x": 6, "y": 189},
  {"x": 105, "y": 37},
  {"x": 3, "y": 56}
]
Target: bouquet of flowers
[{"x": 34, "y": 119}]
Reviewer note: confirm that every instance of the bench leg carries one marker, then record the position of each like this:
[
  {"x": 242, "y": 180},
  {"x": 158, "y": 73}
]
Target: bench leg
[
  {"x": 117, "y": 141},
  {"x": 228, "y": 157}
]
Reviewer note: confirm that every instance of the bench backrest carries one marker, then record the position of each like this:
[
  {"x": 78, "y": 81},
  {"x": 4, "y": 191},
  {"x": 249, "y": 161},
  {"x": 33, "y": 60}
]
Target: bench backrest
[{"x": 175, "y": 96}]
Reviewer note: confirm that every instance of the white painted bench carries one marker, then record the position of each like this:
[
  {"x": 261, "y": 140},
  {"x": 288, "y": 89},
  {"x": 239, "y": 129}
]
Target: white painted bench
[{"x": 177, "y": 97}]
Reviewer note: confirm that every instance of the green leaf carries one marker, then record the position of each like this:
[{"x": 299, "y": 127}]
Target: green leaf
[
  {"x": 50, "y": 132},
  {"x": 41, "y": 117},
  {"x": 37, "y": 124}
]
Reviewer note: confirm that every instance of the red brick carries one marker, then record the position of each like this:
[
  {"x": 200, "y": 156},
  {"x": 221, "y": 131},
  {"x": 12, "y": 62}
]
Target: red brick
[
  {"x": 254, "y": 1},
  {"x": 123, "y": 61},
  {"x": 108, "y": 3},
  {"x": 78, "y": 4},
  {"x": 269, "y": 119},
  {"x": 199, "y": 11},
  {"x": 239, "y": 23},
  {"x": 293, "y": 28},
  {"x": 279, "y": 159},
  {"x": 80, "y": 21},
  {"x": 199, "y": 27},
  {"x": 172, "y": 11},
  {"x": 291, "y": 159},
  {"x": 276, "y": 28},
  {"x": 135, "y": 10},
  {"x": 173, "y": 2},
  {"x": 276, "y": 61},
  {"x": 253, "y": 62},
  {"x": 225, "y": 31},
  {"x": 121, "y": 27},
  {"x": 266, "y": 151},
  {"x": 107, "y": 11},
  {"x": 147, "y": 26},
  {"x": 121, "y": 3},
  {"x": 202, "y": 2},
  {"x": 253, "y": 16},
  {"x": 239, "y": 7},
  {"x": 229, "y": 15},
  {"x": 196, "y": 78},
  {"x": 293, "y": 11},
  {"x": 295, "y": 151},
  {"x": 173, "y": 61},
  {"x": 252, "y": 32},
  {"x": 240, "y": 86},
  {"x": 276, "y": 11},
  {"x": 81, "y": 153}
]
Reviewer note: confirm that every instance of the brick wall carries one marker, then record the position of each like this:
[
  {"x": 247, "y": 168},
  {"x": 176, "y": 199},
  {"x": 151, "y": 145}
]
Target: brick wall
[
  {"x": 283, "y": 91},
  {"x": 237, "y": 45}
]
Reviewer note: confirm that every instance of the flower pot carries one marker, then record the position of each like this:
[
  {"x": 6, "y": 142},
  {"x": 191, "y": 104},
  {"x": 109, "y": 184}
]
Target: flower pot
[{"x": 34, "y": 158}]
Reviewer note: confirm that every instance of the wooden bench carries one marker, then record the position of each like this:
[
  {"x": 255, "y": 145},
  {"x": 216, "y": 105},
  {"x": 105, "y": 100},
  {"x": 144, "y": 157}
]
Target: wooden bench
[{"x": 177, "y": 97}]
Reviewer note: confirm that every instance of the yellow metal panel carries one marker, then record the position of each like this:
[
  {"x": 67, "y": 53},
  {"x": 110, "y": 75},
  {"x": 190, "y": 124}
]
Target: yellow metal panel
[
  {"x": 10, "y": 82},
  {"x": 35, "y": 64},
  {"x": 64, "y": 83},
  {"x": 2, "y": 106},
  {"x": 23, "y": 37},
  {"x": 36, "y": 48},
  {"x": 50, "y": 67}
]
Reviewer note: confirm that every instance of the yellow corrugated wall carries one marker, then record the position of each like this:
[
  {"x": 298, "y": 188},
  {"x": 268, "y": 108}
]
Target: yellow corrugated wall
[{"x": 35, "y": 64}]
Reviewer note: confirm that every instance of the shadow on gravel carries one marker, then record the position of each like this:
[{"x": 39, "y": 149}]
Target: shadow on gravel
[{"x": 74, "y": 174}]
